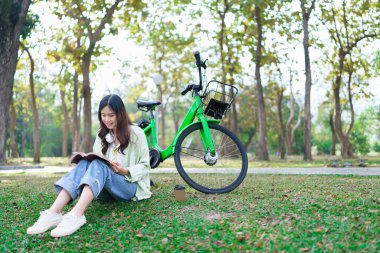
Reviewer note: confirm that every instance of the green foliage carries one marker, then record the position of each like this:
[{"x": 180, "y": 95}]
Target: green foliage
[
  {"x": 312, "y": 213},
  {"x": 321, "y": 131},
  {"x": 365, "y": 128},
  {"x": 360, "y": 142},
  {"x": 51, "y": 140},
  {"x": 376, "y": 63},
  {"x": 376, "y": 147},
  {"x": 361, "y": 133},
  {"x": 31, "y": 21},
  {"x": 170, "y": 31},
  {"x": 322, "y": 142}
]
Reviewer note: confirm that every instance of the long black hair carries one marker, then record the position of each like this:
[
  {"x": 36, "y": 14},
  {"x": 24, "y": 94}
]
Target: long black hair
[{"x": 123, "y": 126}]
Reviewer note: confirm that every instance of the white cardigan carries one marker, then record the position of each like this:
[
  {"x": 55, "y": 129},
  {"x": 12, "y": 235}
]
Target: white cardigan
[{"x": 136, "y": 159}]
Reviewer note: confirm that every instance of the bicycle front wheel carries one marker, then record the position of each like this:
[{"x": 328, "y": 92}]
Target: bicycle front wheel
[{"x": 221, "y": 173}]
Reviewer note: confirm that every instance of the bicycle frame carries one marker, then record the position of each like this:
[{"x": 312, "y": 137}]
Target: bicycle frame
[{"x": 195, "y": 111}]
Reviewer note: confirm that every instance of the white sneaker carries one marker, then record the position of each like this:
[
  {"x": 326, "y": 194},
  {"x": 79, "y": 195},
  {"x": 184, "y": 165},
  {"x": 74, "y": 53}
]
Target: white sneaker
[
  {"x": 46, "y": 221},
  {"x": 68, "y": 225}
]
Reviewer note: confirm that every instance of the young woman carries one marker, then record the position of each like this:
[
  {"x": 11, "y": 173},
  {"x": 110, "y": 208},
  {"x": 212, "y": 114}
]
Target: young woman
[{"x": 127, "y": 178}]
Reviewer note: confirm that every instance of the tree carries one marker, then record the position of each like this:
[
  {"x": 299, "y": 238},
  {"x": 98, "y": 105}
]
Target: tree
[
  {"x": 284, "y": 42},
  {"x": 12, "y": 18},
  {"x": 255, "y": 20},
  {"x": 345, "y": 24},
  {"x": 261, "y": 151},
  {"x": 36, "y": 132},
  {"x": 170, "y": 55},
  {"x": 89, "y": 30},
  {"x": 22, "y": 112},
  {"x": 306, "y": 13},
  {"x": 229, "y": 48},
  {"x": 12, "y": 127},
  {"x": 290, "y": 127},
  {"x": 65, "y": 78},
  {"x": 69, "y": 55}
]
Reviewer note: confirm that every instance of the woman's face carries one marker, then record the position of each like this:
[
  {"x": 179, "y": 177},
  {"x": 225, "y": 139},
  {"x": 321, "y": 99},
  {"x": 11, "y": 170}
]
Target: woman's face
[{"x": 109, "y": 118}]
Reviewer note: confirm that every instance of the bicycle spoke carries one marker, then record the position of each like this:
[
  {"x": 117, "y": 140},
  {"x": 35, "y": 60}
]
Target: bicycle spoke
[
  {"x": 200, "y": 150},
  {"x": 192, "y": 155},
  {"x": 214, "y": 174}
]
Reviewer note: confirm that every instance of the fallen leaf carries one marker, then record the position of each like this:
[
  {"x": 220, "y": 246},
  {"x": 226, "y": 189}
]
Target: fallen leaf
[
  {"x": 319, "y": 229},
  {"x": 240, "y": 236}
]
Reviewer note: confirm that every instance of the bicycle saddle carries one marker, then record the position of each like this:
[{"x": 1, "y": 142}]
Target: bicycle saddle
[{"x": 147, "y": 105}]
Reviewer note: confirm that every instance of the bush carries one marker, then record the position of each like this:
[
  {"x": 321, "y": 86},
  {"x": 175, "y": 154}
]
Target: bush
[
  {"x": 376, "y": 147},
  {"x": 360, "y": 143}
]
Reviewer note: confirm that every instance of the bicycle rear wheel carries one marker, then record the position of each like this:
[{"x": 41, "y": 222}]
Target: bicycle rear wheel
[{"x": 204, "y": 172}]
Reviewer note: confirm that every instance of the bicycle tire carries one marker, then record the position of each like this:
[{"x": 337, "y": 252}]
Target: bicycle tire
[{"x": 200, "y": 182}]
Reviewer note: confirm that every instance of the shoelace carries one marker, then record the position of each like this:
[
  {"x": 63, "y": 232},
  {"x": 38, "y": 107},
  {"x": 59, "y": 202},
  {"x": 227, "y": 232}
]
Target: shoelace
[{"x": 66, "y": 221}]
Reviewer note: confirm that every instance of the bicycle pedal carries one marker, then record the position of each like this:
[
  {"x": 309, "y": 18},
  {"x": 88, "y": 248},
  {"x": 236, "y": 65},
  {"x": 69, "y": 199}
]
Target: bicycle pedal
[{"x": 155, "y": 158}]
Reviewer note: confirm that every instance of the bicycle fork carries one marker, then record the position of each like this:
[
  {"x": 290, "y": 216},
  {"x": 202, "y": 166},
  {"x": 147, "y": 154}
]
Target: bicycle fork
[{"x": 210, "y": 154}]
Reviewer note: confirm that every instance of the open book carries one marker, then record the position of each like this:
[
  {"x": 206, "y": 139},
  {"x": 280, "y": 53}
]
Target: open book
[{"x": 77, "y": 156}]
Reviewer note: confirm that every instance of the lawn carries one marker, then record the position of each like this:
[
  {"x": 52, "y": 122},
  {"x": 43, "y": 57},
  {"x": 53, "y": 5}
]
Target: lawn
[
  {"x": 274, "y": 162},
  {"x": 267, "y": 213}
]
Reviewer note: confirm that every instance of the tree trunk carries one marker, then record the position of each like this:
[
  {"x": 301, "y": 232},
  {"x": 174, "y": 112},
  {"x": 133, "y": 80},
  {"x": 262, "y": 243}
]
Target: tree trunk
[
  {"x": 12, "y": 128},
  {"x": 10, "y": 29},
  {"x": 280, "y": 94},
  {"x": 233, "y": 116},
  {"x": 162, "y": 114},
  {"x": 23, "y": 138},
  {"x": 344, "y": 142},
  {"x": 288, "y": 143},
  {"x": 175, "y": 118},
  {"x": 94, "y": 37},
  {"x": 163, "y": 125},
  {"x": 222, "y": 16},
  {"x": 344, "y": 138},
  {"x": 307, "y": 121},
  {"x": 250, "y": 137},
  {"x": 36, "y": 131},
  {"x": 261, "y": 150},
  {"x": 333, "y": 135},
  {"x": 76, "y": 120},
  {"x": 65, "y": 125},
  {"x": 294, "y": 128},
  {"x": 161, "y": 111},
  {"x": 87, "y": 117}
]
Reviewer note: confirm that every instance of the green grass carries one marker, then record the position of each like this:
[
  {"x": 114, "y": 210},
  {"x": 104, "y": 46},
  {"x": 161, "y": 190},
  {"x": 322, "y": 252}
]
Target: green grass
[
  {"x": 275, "y": 162},
  {"x": 267, "y": 213}
]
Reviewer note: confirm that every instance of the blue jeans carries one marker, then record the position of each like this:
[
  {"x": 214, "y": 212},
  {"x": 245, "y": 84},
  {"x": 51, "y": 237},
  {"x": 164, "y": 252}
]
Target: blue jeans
[{"x": 103, "y": 182}]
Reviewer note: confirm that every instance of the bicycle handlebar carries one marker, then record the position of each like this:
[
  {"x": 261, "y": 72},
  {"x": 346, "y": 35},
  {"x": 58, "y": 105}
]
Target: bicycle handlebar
[
  {"x": 200, "y": 64},
  {"x": 198, "y": 59},
  {"x": 188, "y": 88}
]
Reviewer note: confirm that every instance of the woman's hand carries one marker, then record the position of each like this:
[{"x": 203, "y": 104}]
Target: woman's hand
[{"x": 116, "y": 167}]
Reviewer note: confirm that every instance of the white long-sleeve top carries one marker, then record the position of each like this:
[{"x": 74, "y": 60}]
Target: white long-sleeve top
[{"x": 135, "y": 159}]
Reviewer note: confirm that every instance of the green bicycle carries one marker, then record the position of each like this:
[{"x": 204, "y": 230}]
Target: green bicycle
[{"x": 208, "y": 156}]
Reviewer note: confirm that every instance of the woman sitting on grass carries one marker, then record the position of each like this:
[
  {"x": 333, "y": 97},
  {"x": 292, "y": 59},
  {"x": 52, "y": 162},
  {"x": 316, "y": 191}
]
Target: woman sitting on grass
[{"x": 126, "y": 178}]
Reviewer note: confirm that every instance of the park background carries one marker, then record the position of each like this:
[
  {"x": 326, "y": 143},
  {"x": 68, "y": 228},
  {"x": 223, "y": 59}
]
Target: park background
[
  {"x": 72, "y": 53},
  {"x": 276, "y": 52}
]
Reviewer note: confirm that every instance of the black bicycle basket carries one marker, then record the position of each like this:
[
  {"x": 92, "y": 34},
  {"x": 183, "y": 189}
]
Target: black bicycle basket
[{"x": 217, "y": 98}]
